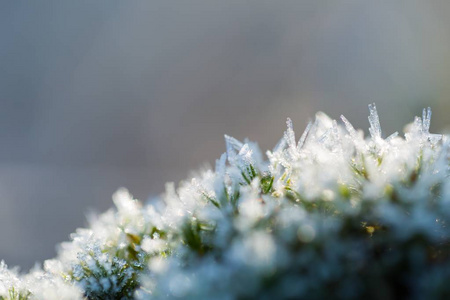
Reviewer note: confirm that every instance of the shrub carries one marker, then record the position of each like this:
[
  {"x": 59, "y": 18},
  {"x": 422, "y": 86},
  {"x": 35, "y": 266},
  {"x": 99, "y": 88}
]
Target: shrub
[{"x": 334, "y": 215}]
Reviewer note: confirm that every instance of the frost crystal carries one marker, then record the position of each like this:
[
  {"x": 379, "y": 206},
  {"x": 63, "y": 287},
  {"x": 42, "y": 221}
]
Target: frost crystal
[
  {"x": 332, "y": 215},
  {"x": 375, "y": 128}
]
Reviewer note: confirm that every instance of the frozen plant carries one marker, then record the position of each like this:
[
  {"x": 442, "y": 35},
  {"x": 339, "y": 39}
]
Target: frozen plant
[
  {"x": 333, "y": 214},
  {"x": 11, "y": 287}
]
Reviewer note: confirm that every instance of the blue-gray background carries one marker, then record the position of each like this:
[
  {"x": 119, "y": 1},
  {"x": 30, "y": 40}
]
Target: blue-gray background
[{"x": 95, "y": 95}]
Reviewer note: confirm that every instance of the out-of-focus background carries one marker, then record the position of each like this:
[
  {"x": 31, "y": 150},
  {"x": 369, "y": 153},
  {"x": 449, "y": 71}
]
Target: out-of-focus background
[{"x": 95, "y": 95}]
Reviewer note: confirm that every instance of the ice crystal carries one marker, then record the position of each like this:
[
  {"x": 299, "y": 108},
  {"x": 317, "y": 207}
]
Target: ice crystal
[
  {"x": 375, "y": 127},
  {"x": 331, "y": 215}
]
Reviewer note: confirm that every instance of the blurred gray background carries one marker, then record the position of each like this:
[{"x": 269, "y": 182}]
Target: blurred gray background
[{"x": 95, "y": 95}]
